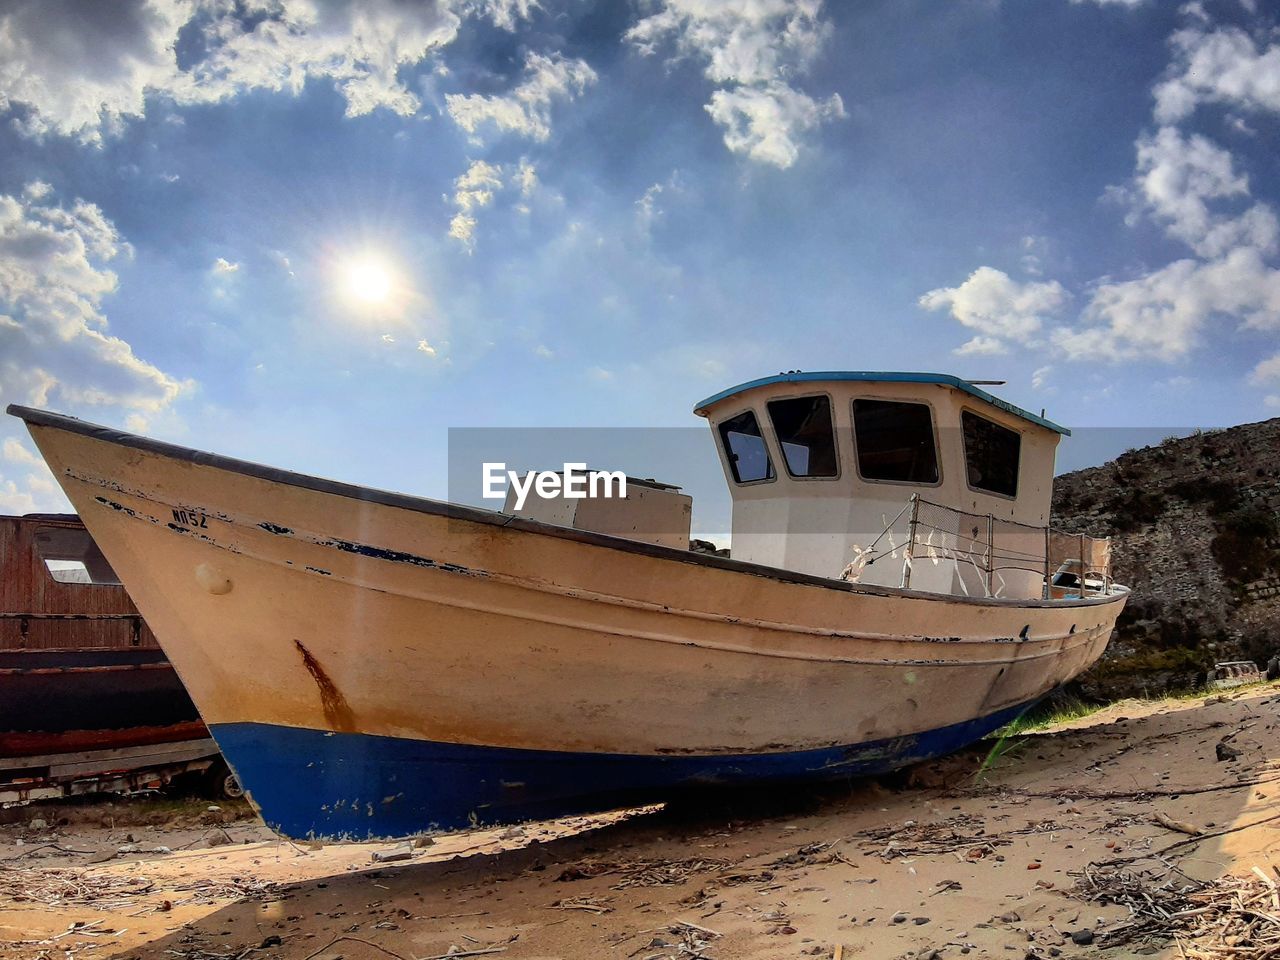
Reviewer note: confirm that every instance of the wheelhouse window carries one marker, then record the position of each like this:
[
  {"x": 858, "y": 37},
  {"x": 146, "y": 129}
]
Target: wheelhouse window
[
  {"x": 895, "y": 441},
  {"x": 744, "y": 448},
  {"x": 70, "y": 556},
  {"x": 991, "y": 454},
  {"x": 803, "y": 427}
]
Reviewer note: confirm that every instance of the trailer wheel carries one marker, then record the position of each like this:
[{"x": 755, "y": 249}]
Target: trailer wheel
[{"x": 222, "y": 783}]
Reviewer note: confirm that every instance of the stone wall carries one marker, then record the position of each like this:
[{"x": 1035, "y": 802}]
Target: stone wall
[{"x": 1194, "y": 523}]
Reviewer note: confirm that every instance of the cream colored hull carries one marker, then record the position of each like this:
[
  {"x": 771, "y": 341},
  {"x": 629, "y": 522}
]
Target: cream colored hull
[{"x": 288, "y": 602}]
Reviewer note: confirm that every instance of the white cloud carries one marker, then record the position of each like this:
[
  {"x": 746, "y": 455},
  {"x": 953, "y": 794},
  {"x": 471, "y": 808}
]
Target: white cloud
[
  {"x": 473, "y": 190},
  {"x": 767, "y": 123},
  {"x": 1192, "y": 187},
  {"x": 53, "y": 339},
  {"x": 1223, "y": 65},
  {"x": 981, "y": 346},
  {"x": 1164, "y": 313},
  {"x": 526, "y": 109},
  {"x": 477, "y": 187},
  {"x": 1176, "y": 178},
  {"x": 526, "y": 178},
  {"x": 224, "y": 266},
  {"x": 1267, "y": 371},
  {"x": 427, "y": 348},
  {"x": 999, "y": 308},
  {"x": 81, "y": 68},
  {"x": 1113, "y": 3},
  {"x": 1040, "y": 377},
  {"x": 505, "y": 14},
  {"x": 1033, "y": 251},
  {"x": 753, "y": 53},
  {"x": 54, "y": 344},
  {"x": 543, "y": 351},
  {"x": 15, "y": 452}
]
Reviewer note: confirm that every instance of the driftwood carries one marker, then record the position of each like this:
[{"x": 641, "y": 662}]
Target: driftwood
[{"x": 1233, "y": 916}]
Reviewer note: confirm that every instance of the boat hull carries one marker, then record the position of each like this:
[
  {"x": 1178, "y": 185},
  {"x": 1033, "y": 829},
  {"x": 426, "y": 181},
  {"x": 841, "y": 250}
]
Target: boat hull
[
  {"x": 311, "y": 783},
  {"x": 52, "y": 697},
  {"x": 325, "y": 612}
]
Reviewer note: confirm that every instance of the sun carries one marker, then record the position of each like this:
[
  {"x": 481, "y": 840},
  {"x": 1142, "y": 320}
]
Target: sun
[{"x": 367, "y": 280}]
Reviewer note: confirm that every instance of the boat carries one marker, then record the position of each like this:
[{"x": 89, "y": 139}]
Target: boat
[
  {"x": 85, "y": 690},
  {"x": 375, "y": 664}
]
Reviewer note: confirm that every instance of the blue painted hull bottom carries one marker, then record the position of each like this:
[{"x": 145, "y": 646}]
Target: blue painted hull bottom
[{"x": 312, "y": 783}]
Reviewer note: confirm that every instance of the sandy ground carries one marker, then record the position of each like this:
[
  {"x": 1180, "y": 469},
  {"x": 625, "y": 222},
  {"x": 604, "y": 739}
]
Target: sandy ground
[{"x": 951, "y": 860}]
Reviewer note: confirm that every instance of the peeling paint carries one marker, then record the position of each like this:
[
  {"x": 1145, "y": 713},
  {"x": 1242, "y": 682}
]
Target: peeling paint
[{"x": 398, "y": 556}]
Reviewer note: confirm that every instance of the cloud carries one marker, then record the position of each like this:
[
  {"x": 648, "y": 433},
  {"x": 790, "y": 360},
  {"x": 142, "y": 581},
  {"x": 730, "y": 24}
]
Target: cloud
[
  {"x": 752, "y": 52},
  {"x": 1222, "y": 65},
  {"x": 505, "y": 14},
  {"x": 1267, "y": 371},
  {"x": 53, "y": 339},
  {"x": 15, "y": 452},
  {"x": 55, "y": 349},
  {"x": 1176, "y": 178},
  {"x": 1192, "y": 187},
  {"x": 1040, "y": 377},
  {"x": 427, "y": 348},
  {"x": 1163, "y": 314},
  {"x": 526, "y": 109},
  {"x": 477, "y": 188},
  {"x": 1033, "y": 251},
  {"x": 224, "y": 266},
  {"x": 999, "y": 308},
  {"x": 767, "y": 123},
  {"x": 981, "y": 346},
  {"x": 82, "y": 68},
  {"x": 78, "y": 68},
  {"x": 473, "y": 190}
]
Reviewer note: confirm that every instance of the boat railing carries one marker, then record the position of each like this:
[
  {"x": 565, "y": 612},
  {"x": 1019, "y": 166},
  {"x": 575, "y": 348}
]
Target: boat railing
[{"x": 994, "y": 556}]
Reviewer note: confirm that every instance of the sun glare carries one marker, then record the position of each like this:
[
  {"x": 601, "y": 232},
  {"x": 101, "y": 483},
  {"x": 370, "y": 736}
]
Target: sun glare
[{"x": 367, "y": 280}]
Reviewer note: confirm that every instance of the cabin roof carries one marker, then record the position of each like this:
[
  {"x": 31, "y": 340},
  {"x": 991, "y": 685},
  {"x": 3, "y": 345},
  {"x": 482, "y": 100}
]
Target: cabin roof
[{"x": 869, "y": 376}]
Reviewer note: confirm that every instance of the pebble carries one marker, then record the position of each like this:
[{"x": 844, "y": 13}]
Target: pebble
[
  {"x": 38, "y": 824},
  {"x": 919, "y": 921},
  {"x": 1082, "y": 938},
  {"x": 1010, "y": 917}
]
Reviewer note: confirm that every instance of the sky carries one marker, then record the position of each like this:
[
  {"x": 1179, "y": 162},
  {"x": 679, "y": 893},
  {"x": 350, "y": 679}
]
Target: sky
[{"x": 323, "y": 235}]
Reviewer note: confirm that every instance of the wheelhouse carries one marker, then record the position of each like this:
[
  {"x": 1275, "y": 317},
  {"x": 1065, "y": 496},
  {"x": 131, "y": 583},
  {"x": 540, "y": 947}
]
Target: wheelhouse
[{"x": 900, "y": 479}]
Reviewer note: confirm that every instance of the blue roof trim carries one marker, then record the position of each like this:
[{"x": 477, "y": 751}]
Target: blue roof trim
[{"x": 865, "y": 376}]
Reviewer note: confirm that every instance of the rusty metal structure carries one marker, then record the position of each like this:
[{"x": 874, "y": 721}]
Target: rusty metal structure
[
  {"x": 39, "y": 611},
  {"x": 88, "y": 700}
]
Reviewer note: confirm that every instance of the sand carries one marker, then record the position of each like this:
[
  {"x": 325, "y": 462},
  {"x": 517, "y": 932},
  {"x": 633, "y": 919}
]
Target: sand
[{"x": 973, "y": 856}]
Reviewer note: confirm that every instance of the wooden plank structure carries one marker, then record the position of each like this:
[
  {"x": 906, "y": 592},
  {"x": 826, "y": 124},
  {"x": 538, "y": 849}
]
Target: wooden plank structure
[
  {"x": 80, "y": 670},
  {"x": 38, "y": 612}
]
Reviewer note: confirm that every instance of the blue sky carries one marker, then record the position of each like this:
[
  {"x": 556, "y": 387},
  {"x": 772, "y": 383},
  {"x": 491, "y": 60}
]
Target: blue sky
[{"x": 577, "y": 214}]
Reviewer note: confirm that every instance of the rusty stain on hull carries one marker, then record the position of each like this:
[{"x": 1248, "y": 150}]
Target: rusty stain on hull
[{"x": 336, "y": 709}]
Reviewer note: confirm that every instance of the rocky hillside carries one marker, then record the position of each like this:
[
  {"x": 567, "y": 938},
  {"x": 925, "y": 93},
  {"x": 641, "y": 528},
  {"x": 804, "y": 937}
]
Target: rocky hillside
[{"x": 1197, "y": 537}]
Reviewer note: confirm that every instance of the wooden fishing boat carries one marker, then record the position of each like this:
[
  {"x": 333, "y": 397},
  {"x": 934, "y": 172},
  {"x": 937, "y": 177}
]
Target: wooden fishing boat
[{"x": 375, "y": 664}]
